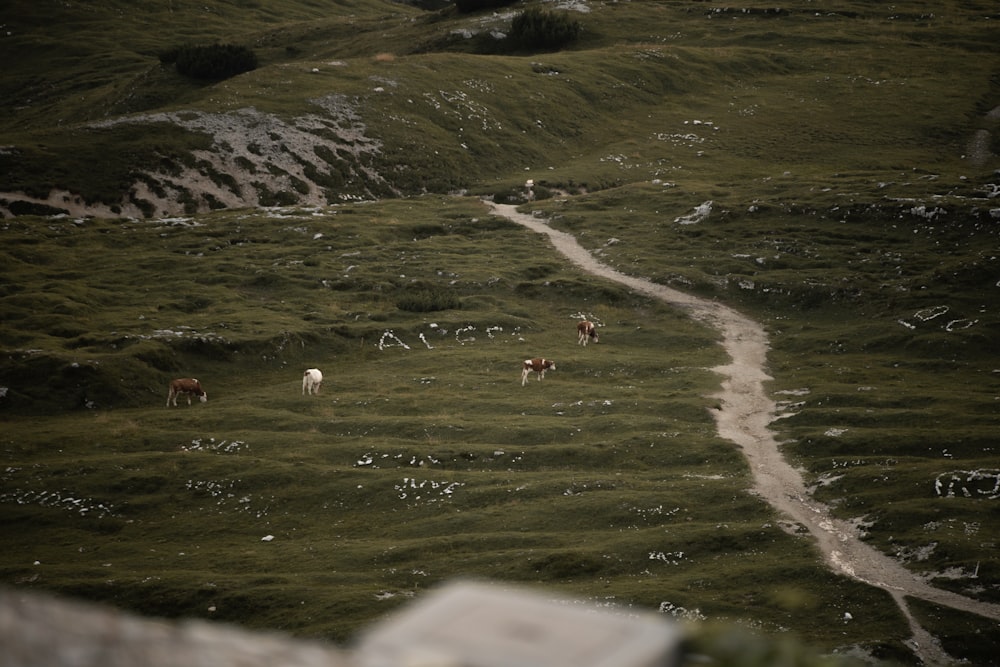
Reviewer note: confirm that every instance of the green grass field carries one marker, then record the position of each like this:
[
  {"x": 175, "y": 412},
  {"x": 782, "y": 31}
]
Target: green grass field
[{"x": 809, "y": 168}]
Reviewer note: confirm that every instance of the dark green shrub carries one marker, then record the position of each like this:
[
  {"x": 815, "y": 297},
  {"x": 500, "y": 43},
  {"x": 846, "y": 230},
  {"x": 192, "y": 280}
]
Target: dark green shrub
[
  {"x": 514, "y": 195},
  {"x": 542, "y": 192},
  {"x": 214, "y": 62},
  {"x": 477, "y": 5},
  {"x": 169, "y": 57},
  {"x": 19, "y": 207},
  {"x": 427, "y": 300},
  {"x": 538, "y": 29}
]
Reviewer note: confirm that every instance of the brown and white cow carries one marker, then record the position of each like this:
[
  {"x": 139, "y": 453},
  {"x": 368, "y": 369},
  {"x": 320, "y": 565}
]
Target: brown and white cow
[
  {"x": 585, "y": 332},
  {"x": 537, "y": 365},
  {"x": 189, "y": 386},
  {"x": 312, "y": 379}
]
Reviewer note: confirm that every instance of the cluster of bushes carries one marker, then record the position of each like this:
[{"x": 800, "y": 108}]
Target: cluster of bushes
[
  {"x": 536, "y": 28},
  {"x": 477, "y": 5},
  {"x": 213, "y": 62},
  {"x": 533, "y": 28}
]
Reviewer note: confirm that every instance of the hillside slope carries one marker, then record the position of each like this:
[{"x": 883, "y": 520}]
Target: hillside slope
[
  {"x": 831, "y": 174},
  {"x": 370, "y": 99}
]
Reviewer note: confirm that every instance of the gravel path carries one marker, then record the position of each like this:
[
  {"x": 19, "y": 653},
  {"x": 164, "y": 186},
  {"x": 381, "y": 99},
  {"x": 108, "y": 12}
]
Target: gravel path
[{"x": 744, "y": 416}]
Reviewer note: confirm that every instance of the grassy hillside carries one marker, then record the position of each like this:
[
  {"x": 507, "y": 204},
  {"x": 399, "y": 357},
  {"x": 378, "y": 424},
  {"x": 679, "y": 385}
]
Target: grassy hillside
[
  {"x": 369, "y": 99},
  {"x": 832, "y": 173}
]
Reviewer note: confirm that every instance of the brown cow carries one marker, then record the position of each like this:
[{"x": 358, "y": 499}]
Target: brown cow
[
  {"x": 586, "y": 331},
  {"x": 538, "y": 365},
  {"x": 188, "y": 386}
]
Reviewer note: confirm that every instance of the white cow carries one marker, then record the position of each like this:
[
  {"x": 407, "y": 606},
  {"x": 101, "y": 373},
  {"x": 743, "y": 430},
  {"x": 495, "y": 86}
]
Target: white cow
[{"x": 311, "y": 381}]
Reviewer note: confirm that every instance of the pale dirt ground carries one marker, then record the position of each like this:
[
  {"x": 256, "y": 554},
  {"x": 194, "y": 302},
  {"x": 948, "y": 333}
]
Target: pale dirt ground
[{"x": 744, "y": 416}]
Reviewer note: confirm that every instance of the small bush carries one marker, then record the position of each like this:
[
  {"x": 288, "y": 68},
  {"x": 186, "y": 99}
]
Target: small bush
[
  {"x": 538, "y": 29},
  {"x": 427, "y": 300},
  {"x": 18, "y": 207},
  {"x": 214, "y": 62},
  {"x": 477, "y": 5},
  {"x": 169, "y": 57},
  {"x": 542, "y": 192},
  {"x": 513, "y": 195}
]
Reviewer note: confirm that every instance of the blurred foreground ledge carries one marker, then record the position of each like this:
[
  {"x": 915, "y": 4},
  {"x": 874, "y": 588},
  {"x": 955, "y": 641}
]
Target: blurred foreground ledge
[
  {"x": 461, "y": 624},
  {"x": 41, "y": 631}
]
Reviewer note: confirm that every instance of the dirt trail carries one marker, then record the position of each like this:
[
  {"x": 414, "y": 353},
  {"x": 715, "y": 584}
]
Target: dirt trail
[{"x": 744, "y": 416}]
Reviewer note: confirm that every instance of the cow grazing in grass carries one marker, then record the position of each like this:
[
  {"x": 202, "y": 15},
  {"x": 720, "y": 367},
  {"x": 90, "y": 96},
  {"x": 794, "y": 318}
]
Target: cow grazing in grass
[
  {"x": 586, "y": 331},
  {"x": 188, "y": 386},
  {"x": 311, "y": 381},
  {"x": 537, "y": 365}
]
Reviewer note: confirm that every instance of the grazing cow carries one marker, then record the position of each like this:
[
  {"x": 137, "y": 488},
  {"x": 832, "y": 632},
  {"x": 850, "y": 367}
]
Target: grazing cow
[
  {"x": 585, "y": 332},
  {"x": 538, "y": 365},
  {"x": 188, "y": 386},
  {"x": 311, "y": 381}
]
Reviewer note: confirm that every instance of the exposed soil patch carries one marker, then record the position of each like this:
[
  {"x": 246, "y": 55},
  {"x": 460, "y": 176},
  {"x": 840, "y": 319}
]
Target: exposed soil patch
[
  {"x": 978, "y": 150},
  {"x": 743, "y": 417},
  {"x": 256, "y": 159}
]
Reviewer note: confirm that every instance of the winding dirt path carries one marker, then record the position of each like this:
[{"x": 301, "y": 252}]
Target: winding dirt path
[{"x": 744, "y": 416}]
